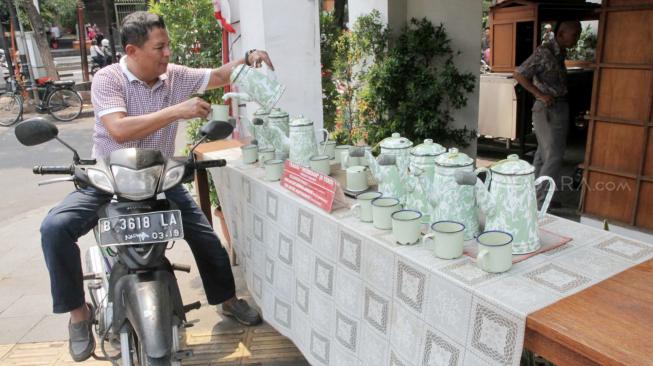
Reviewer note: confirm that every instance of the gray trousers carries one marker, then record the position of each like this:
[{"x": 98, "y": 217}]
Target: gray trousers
[{"x": 551, "y": 126}]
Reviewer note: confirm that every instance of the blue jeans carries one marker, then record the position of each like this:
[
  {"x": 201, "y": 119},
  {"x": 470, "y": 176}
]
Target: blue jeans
[{"x": 76, "y": 215}]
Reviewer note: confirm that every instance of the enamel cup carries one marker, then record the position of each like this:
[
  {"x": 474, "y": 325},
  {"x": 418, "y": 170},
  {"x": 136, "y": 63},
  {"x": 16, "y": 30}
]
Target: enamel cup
[
  {"x": 495, "y": 251},
  {"x": 321, "y": 164},
  {"x": 265, "y": 154},
  {"x": 406, "y": 226},
  {"x": 382, "y": 210},
  {"x": 448, "y": 239},
  {"x": 357, "y": 178},
  {"x": 220, "y": 112},
  {"x": 250, "y": 153},
  {"x": 363, "y": 206},
  {"x": 273, "y": 170},
  {"x": 338, "y": 151}
]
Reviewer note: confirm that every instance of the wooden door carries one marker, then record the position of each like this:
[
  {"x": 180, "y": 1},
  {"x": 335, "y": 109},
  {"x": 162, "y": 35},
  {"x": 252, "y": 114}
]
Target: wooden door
[{"x": 619, "y": 157}]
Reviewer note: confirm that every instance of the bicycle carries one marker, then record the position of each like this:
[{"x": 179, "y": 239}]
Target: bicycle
[{"x": 58, "y": 98}]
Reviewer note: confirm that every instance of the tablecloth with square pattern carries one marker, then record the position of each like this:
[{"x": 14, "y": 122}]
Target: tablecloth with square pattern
[{"x": 346, "y": 294}]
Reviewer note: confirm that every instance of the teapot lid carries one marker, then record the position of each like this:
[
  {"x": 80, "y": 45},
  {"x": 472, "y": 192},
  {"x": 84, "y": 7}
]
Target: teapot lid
[
  {"x": 396, "y": 142},
  {"x": 261, "y": 112},
  {"x": 428, "y": 148},
  {"x": 278, "y": 113},
  {"x": 300, "y": 121},
  {"x": 512, "y": 166},
  {"x": 454, "y": 158}
]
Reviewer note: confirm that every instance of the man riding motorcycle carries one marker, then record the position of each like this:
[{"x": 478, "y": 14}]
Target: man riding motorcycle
[{"x": 137, "y": 103}]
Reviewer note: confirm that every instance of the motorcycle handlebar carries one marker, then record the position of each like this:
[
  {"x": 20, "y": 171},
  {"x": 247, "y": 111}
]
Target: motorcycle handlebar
[
  {"x": 53, "y": 169},
  {"x": 210, "y": 164}
]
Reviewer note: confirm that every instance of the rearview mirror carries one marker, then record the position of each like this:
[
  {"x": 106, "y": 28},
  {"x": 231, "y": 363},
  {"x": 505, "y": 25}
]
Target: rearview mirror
[
  {"x": 216, "y": 130},
  {"x": 35, "y": 131}
]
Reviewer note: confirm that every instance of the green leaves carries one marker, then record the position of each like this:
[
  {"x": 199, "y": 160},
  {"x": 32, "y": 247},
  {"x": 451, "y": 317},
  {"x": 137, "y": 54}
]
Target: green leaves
[
  {"x": 195, "y": 36},
  {"x": 408, "y": 85},
  {"x": 196, "y": 41},
  {"x": 413, "y": 87}
]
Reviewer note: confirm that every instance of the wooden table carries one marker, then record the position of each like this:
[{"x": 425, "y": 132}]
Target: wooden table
[{"x": 610, "y": 323}]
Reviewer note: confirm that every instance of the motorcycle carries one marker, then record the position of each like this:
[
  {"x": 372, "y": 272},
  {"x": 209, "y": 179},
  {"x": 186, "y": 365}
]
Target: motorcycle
[{"x": 132, "y": 286}]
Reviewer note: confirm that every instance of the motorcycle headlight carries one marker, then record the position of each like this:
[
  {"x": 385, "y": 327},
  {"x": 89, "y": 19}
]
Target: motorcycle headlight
[
  {"x": 100, "y": 180},
  {"x": 136, "y": 184},
  {"x": 172, "y": 177}
]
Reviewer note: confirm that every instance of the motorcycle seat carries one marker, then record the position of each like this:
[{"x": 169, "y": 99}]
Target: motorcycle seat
[{"x": 63, "y": 83}]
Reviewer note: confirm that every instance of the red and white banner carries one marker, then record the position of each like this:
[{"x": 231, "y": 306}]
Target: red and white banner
[
  {"x": 318, "y": 189},
  {"x": 223, "y": 14}
]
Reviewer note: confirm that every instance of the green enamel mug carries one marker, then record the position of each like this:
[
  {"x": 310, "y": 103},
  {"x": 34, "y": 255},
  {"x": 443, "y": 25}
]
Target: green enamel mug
[
  {"x": 382, "y": 210},
  {"x": 249, "y": 153},
  {"x": 495, "y": 251},
  {"x": 363, "y": 206},
  {"x": 273, "y": 170},
  {"x": 448, "y": 239},
  {"x": 406, "y": 226}
]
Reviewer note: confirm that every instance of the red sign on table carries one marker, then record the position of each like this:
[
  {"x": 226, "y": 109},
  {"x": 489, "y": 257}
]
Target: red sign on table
[{"x": 318, "y": 189}]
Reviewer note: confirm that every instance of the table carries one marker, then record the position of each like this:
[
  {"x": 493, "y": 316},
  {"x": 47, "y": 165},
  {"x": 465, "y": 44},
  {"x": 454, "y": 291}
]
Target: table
[
  {"x": 346, "y": 294},
  {"x": 610, "y": 323}
]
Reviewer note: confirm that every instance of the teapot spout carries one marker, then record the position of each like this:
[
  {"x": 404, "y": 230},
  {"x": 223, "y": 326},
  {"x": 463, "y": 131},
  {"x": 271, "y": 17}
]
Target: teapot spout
[
  {"x": 242, "y": 97},
  {"x": 484, "y": 198},
  {"x": 373, "y": 164}
]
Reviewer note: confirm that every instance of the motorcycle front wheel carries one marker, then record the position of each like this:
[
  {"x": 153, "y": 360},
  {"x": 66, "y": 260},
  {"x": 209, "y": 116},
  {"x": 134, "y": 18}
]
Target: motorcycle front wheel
[{"x": 141, "y": 358}]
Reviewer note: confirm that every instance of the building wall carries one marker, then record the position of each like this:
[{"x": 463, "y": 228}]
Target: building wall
[
  {"x": 289, "y": 31},
  {"x": 462, "y": 20}
]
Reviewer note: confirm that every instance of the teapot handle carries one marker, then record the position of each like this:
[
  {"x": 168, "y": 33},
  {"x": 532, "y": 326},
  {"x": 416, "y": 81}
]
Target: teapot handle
[
  {"x": 488, "y": 175},
  {"x": 549, "y": 194},
  {"x": 326, "y": 139}
]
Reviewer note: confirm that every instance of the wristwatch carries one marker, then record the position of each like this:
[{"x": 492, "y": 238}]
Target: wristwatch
[{"x": 247, "y": 56}]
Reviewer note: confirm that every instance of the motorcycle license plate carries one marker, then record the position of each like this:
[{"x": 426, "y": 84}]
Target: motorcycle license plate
[{"x": 151, "y": 227}]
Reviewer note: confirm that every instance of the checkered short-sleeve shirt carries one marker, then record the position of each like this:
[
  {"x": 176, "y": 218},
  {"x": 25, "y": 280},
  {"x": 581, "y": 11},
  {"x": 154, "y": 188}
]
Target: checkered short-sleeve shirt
[{"x": 116, "y": 89}]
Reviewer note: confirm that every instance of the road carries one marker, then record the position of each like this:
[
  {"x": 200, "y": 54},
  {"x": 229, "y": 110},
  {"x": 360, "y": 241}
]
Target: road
[{"x": 20, "y": 190}]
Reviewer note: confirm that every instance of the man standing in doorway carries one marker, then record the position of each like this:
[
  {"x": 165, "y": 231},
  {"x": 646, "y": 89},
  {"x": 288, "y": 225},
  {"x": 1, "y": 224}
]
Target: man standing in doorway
[
  {"x": 548, "y": 35},
  {"x": 544, "y": 75}
]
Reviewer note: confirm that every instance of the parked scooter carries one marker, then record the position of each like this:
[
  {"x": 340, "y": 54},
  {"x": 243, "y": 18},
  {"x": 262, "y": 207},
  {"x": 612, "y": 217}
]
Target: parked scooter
[{"x": 137, "y": 303}]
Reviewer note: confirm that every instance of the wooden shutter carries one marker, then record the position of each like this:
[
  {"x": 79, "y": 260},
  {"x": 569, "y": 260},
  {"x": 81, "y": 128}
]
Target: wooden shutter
[{"x": 619, "y": 155}]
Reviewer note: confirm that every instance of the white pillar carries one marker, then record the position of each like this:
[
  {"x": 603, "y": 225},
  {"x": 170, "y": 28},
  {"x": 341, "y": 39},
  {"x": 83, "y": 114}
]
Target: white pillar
[
  {"x": 289, "y": 30},
  {"x": 462, "y": 21}
]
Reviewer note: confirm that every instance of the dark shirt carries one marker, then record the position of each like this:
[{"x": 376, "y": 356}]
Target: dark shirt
[{"x": 546, "y": 69}]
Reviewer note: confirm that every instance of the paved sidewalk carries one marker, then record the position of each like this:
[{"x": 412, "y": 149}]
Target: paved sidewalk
[{"x": 31, "y": 335}]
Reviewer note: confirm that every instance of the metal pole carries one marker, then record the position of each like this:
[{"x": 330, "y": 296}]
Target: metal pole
[
  {"x": 14, "y": 18},
  {"x": 106, "y": 20},
  {"x": 5, "y": 47},
  {"x": 82, "y": 40}
]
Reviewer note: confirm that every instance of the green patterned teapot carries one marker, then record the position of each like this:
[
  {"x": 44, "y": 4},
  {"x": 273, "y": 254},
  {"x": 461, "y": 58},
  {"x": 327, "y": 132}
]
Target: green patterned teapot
[
  {"x": 510, "y": 205},
  {"x": 300, "y": 143},
  {"x": 397, "y": 146},
  {"x": 450, "y": 201},
  {"x": 388, "y": 175},
  {"x": 422, "y": 161}
]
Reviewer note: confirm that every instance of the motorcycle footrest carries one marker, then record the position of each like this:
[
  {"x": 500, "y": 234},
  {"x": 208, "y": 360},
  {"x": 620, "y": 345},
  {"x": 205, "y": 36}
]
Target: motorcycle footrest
[
  {"x": 183, "y": 354},
  {"x": 193, "y": 306}
]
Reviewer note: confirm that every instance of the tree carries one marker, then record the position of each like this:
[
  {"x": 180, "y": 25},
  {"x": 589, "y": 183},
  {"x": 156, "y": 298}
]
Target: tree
[
  {"x": 339, "y": 12},
  {"x": 40, "y": 36}
]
